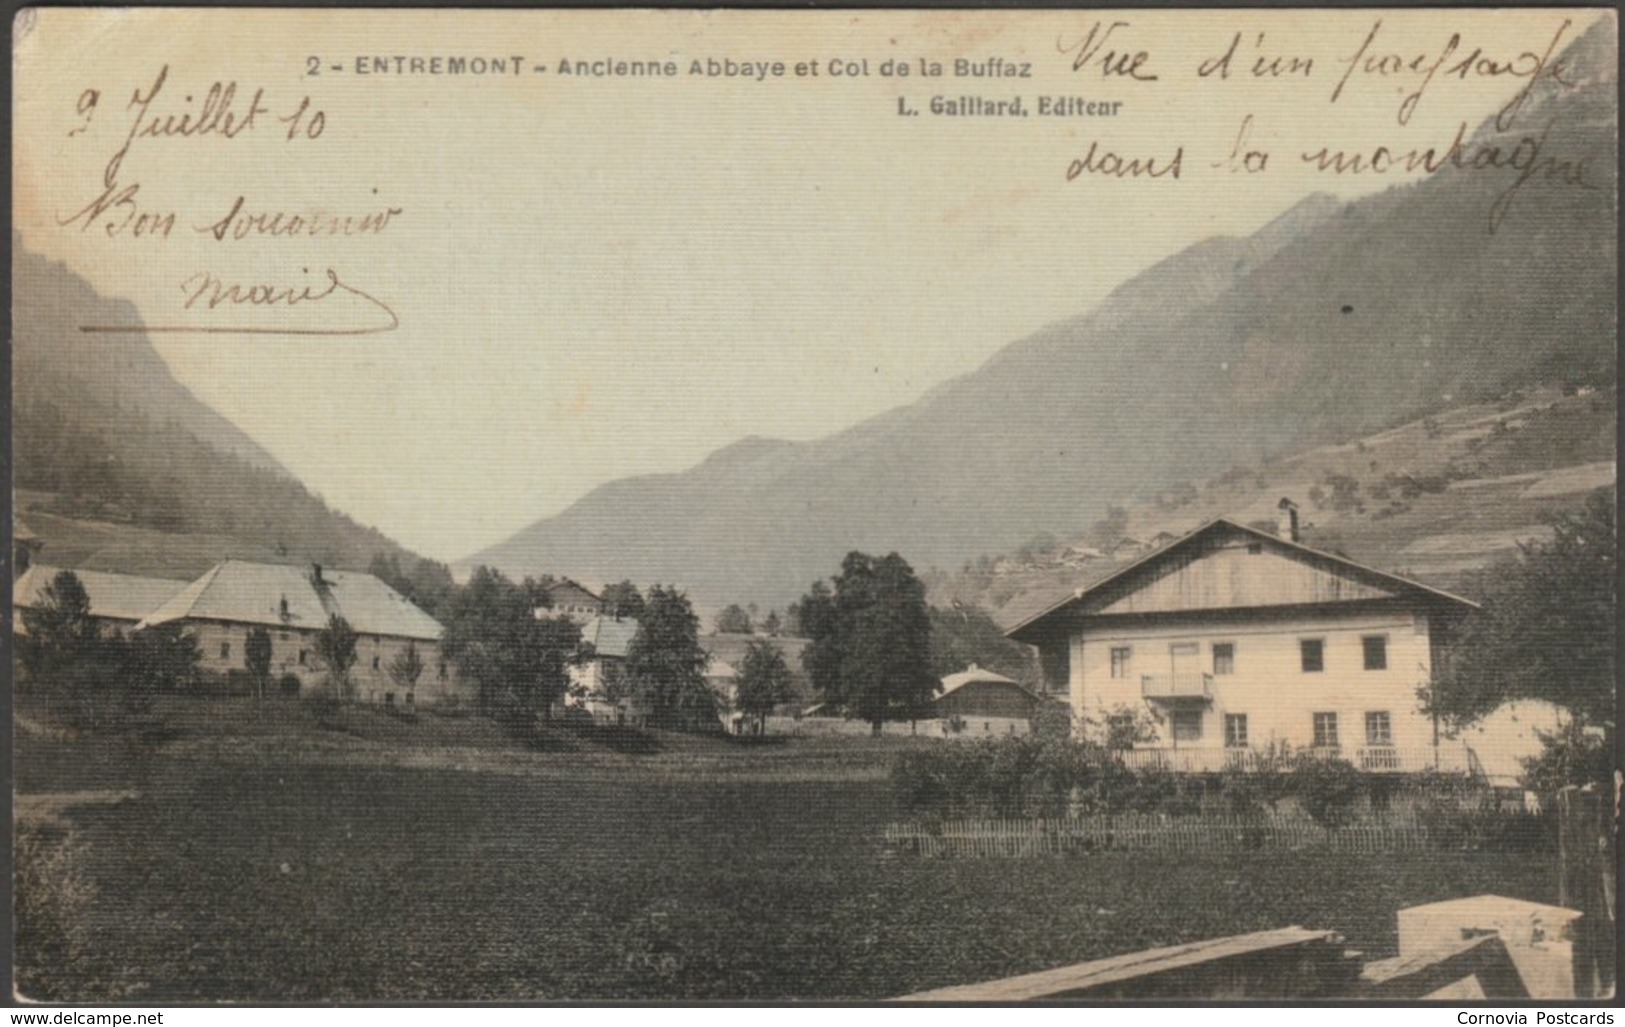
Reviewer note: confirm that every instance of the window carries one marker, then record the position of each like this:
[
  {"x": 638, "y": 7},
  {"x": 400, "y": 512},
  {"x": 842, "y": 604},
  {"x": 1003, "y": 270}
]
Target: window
[
  {"x": 442, "y": 670},
  {"x": 1187, "y": 725},
  {"x": 389, "y": 698},
  {"x": 1379, "y": 728},
  {"x": 1254, "y": 548},
  {"x": 411, "y": 699},
  {"x": 225, "y": 650},
  {"x": 301, "y": 657},
  {"x": 1235, "y": 730},
  {"x": 1313, "y": 652},
  {"x": 1120, "y": 656},
  {"x": 1376, "y": 652},
  {"x": 1224, "y": 658},
  {"x": 1325, "y": 730},
  {"x": 376, "y": 661}
]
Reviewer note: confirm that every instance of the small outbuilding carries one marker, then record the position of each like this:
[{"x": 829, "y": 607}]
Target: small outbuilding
[{"x": 981, "y": 701}]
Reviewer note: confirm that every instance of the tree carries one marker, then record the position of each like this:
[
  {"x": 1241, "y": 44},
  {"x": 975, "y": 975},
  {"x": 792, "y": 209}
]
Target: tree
[
  {"x": 257, "y": 658},
  {"x": 335, "y": 648},
  {"x": 518, "y": 662},
  {"x": 161, "y": 658},
  {"x": 549, "y": 646},
  {"x": 764, "y": 682},
  {"x": 734, "y": 620},
  {"x": 771, "y": 625},
  {"x": 623, "y": 601},
  {"x": 665, "y": 666},
  {"x": 60, "y": 634},
  {"x": 870, "y": 637},
  {"x": 1546, "y": 630},
  {"x": 406, "y": 668}
]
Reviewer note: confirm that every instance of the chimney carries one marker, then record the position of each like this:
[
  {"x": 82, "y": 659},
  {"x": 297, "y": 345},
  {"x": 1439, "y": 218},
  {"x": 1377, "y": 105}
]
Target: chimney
[
  {"x": 1286, "y": 520},
  {"x": 316, "y": 573}
]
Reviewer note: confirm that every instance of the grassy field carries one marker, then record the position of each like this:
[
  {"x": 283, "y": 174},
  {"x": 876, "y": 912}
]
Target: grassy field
[{"x": 260, "y": 870}]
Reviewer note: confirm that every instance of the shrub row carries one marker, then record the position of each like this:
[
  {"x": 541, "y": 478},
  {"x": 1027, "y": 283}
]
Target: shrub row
[{"x": 1047, "y": 777}]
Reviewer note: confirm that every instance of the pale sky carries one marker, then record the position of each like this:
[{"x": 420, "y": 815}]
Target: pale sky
[{"x": 601, "y": 277}]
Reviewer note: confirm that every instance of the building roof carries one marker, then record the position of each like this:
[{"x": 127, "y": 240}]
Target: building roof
[
  {"x": 113, "y": 596},
  {"x": 721, "y": 669},
  {"x": 283, "y": 596},
  {"x": 565, "y": 589},
  {"x": 609, "y": 636},
  {"x": 974, "y": 675},
  {"x": 1220, "y": 525}
]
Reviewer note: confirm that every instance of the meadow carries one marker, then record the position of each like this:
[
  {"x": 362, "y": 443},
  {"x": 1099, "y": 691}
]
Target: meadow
[{"x": 253, "y": 869}]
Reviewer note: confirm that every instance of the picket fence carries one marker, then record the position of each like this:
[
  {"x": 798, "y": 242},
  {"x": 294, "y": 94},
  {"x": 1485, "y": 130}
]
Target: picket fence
[{"x": 1014, "y": 838}]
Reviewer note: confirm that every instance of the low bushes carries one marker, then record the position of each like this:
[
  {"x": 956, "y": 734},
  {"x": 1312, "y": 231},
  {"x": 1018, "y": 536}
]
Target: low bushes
[
  {"x": 1047, "y": 777},
  {"x": 52, "y": 902}
]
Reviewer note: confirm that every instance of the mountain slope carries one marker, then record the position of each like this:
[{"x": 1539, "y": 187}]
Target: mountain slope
[
  {"x": 117, "y": 466},
  {"x": 1333, "y": 322}
]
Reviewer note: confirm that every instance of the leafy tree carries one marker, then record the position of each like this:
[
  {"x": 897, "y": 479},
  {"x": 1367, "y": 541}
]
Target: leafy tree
[
  {"x": 871, "y": 639},
  {"x": 623, "y": 600},
  {"x": 734, "y": 620},
  {"x": 764, "y": 682},
  {"x": 406, "y": 668},
  {"x": 1546, "y": 630},
  {"x": 665, "y": 666},
  {"x": 518, "y": 662},
  {"x": 257, "y": 658},
  {"x": 163, "y": 658},
  {"x": 335, "y": 648},
  {"x": 481, "y": 624},
  {"x": 549, "y": 646},
  {"x": 816, "y": 619},
  {"x": 771, "y": 624},
  {"x": 61, "y": 635}
]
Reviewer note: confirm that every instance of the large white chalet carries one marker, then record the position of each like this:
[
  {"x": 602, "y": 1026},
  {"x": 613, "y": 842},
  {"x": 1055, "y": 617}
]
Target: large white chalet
[{"x": 1236, "y": 639}]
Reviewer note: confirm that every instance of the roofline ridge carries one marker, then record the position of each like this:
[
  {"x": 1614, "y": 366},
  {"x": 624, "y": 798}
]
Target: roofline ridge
[{"x": 1155, "y": 554}]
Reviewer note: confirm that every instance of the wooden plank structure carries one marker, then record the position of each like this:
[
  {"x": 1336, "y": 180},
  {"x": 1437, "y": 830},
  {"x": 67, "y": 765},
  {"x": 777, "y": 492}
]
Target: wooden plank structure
[
  {"x": 1287, "y": 963},
  {"x": 1485, "y": 947},
  {"x": 1440, "y": 973},
  {"x": 1587, "y": 879}
]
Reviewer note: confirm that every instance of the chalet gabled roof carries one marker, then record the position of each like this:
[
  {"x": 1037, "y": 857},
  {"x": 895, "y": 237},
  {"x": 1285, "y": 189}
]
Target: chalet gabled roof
[
  {"x": 1198, "y": 536},
  {"x": 566, "y": 586},
  {"x": 974, "y": 673},
  {"x": 113, "y": 596},
  {"x": 274, "y": 595},
  {"x": 609, "y": 636}
]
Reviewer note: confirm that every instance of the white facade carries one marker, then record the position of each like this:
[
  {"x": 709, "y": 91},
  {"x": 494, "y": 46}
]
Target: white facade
[
  {"x": 1231, "y": 641},
  {"x": 293, "y": 651},
  {"x": 1259, "y": 676}
]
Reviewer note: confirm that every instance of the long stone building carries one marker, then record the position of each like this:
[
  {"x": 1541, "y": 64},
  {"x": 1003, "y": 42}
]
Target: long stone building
[{"x": 293, "y": 604}]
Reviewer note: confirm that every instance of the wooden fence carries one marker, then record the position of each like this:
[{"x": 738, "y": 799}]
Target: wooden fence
[{"x": 1016, "y": 838}]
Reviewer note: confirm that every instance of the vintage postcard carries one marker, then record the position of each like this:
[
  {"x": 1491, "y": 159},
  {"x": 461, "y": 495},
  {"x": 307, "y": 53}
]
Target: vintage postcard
[{"x": 813, "y": 505}]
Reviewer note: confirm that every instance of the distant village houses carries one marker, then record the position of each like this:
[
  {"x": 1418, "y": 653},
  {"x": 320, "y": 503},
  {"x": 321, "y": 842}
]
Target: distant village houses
[
  {"x": 595, "y": 685},
  {"x": 570, "y": 599}
]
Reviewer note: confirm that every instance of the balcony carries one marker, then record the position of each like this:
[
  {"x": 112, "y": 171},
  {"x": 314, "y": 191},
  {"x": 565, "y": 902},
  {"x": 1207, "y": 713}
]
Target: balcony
[{"x": 1176, "y": 686}]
